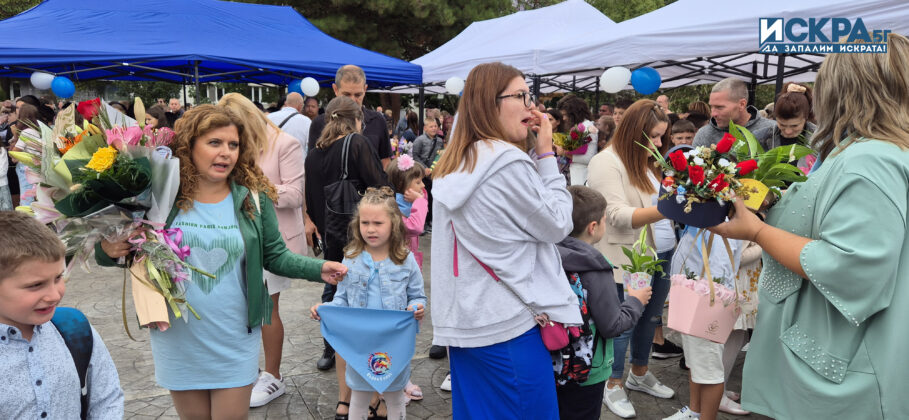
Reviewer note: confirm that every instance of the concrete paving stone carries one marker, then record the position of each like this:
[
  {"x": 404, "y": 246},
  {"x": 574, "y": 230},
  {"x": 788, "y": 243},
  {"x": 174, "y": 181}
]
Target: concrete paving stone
[{"x": 311, "y": 394}]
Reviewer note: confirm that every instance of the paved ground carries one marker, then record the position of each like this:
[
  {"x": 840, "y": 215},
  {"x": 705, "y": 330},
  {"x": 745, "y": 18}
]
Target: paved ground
[{"x": 311, "y": 394}]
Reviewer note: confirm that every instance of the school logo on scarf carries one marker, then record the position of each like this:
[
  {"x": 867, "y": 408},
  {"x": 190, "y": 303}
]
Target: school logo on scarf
[{"x": 377, "y": 344}]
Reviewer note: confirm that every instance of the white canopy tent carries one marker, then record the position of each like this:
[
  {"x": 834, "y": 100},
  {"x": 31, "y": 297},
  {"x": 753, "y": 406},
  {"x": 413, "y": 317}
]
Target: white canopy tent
[
  {"x": 515, "y": 40},
  {"x": 704, "y": 41}
]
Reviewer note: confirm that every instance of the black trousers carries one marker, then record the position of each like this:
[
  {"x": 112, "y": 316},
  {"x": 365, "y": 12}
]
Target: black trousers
[
  {"x": 580, "y": 402},
  {"x": 427, "y": 182}
]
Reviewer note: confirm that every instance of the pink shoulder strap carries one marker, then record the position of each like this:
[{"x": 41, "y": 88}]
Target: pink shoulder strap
[{"x": 455, "y": 258}]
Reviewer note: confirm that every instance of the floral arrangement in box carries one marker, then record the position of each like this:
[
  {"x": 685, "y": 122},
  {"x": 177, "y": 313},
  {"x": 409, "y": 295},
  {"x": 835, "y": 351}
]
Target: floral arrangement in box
[
  {"x": 701, "y": 286},
  {"x": 763, "y": 172},
  {"x": 702, "y": 177}
]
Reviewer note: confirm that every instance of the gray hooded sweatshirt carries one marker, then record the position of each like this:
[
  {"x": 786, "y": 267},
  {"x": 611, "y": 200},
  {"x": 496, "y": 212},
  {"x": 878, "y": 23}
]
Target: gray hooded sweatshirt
[
  {"x": 759, "y": 126},
  {"x": 508, "y": 213}
]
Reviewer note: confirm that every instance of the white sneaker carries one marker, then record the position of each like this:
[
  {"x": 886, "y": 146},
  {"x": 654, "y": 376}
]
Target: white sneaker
[
  {"x": 266, "y": 389},
  {"x": 649, "y": 384},
  {"x": 446, "y": 384},
  {"x": 683, "y": 414},
  {"x": 732, "y": 407},
  {"x": 617, "y": 401}
]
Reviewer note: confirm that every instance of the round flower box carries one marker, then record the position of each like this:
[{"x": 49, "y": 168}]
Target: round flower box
[{"x": 702, "y": 215}]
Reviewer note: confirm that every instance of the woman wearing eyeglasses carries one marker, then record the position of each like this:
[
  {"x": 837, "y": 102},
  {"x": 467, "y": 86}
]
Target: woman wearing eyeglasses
[{"x": 498, "y": 214}]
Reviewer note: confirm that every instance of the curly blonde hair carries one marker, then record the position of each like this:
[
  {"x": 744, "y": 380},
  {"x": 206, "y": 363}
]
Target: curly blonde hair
[
  {"x": 397, "y": 246},
  {"x": 195, "y": 123}
]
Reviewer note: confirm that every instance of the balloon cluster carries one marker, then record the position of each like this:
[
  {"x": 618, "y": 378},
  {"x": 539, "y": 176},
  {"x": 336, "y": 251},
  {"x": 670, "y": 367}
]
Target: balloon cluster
[
  {"x": 644, "y": 80},
  {"x": 60, "y": 85},
  {"x": 306, "y": 86}
]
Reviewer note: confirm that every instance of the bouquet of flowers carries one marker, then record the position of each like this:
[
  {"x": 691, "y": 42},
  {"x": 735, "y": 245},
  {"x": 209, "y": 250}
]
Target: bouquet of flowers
[
  {"x": 762, "y": 172},
  {"x": 577, "y": 137},
  {"x": 103, "y": 181}
]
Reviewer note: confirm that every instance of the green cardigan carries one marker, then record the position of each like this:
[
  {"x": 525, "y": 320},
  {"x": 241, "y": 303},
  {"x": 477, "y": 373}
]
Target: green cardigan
[
  {"x": 265, "y": 249},
  {"x": 833, "y": 344}
]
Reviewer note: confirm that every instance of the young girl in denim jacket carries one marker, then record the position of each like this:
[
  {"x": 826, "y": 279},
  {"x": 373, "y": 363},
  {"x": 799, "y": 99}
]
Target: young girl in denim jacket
[{"x": 382, "y": 274}]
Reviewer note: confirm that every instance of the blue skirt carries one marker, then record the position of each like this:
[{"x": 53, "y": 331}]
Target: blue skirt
[{"x": 509, "y": 380}]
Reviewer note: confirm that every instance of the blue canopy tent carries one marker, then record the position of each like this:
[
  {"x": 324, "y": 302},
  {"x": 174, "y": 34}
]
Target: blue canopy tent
[{"x": 183, "y": 41}]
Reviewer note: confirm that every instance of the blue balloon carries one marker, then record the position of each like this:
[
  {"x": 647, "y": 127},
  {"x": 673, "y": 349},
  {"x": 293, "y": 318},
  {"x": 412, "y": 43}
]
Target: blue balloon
[
  {"x": 63, "y": 87},
  {"x": 294, "y": 86},
  {"x": 646, "y": 80}
]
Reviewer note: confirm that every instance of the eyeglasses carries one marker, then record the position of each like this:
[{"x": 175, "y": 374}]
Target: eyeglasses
[{"x": 529, "y": 98}]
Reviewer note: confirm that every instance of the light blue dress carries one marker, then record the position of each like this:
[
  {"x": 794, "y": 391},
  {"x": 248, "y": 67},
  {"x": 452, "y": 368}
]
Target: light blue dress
[{"x": 218, "y": 351}]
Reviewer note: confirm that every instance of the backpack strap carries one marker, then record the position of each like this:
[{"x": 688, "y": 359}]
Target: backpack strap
[
  {"x": 344, "y": 155},
  {"x": 77, "y": 334},
  {"x": 287, "y": 119}
]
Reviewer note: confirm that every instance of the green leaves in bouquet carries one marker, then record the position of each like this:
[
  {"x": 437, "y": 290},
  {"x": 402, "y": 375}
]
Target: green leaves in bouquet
[
  {"x": 124, "y": 179},
  {"x": 773, "y": 167},
  {"x": 640, "y": 261}
]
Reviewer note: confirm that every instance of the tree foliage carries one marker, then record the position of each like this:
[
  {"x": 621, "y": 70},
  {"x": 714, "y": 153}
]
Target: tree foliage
[{"x": 10, "y": 8}]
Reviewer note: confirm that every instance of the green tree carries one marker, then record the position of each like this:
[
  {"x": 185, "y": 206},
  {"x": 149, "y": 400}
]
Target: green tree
[
  {"x": 10, "y": 8},
  {"x": 621, "y": 10}
]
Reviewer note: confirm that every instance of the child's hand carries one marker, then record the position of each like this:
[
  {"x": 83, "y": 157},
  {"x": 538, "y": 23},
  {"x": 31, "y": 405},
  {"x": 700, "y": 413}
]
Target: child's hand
[
  {"x": 412, "y": 195},
  {"x": 642, "y": 294},
  {"x": 333, "y": 272},
  {"x": 314, "y": 311},
  {"x": 418, "y": 313}
]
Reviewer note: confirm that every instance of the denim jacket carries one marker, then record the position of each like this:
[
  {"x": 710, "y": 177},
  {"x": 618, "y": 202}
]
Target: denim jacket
[{"x": 401, "y": 285}]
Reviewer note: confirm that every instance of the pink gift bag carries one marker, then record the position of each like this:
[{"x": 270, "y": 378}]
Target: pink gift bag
[
  {"x": 693, "y": 314},
  {"x": 700, "y": 315}
]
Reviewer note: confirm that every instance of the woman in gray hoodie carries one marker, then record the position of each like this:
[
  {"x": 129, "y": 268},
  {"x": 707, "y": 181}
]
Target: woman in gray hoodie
[{"x": 498, "y": 214}]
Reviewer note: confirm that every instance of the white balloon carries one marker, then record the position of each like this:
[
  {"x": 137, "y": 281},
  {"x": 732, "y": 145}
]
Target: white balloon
[
  {"x": 309, "y": 86},
  {"x": 41, "y": 80},
  {"x": 454, "y": 85},
  {"x": 615, "y": 79}
]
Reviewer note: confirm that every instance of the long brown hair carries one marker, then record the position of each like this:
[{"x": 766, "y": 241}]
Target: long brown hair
[
  {"x": 478, "y": 117},
  {"x": 863, "y": 95},
  {"x": 640, "y": 118},
  {"x": 200, "y": 120},
  {"x": 397, "y": 246},
  {"x": 341, "y": 116}
]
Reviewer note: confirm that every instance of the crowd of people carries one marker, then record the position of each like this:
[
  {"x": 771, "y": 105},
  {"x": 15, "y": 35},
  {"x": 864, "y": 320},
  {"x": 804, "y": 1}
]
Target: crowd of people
[{"x": 532, "y": 208}]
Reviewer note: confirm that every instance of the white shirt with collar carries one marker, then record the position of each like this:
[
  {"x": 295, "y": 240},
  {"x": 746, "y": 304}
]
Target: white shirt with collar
[
  {"x": 40, "y": 379},
  {"x": 297, "y": 126}
]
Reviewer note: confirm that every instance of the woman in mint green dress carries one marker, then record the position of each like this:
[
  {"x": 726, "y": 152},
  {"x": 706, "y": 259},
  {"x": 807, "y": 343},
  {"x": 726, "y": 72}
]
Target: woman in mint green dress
[{"x": 830, "y": 339}]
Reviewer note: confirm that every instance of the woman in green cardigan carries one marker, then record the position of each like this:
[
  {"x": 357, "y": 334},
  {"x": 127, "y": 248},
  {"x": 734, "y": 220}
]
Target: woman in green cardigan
[
  {"x": 830, "y": 339},
  {"x": 210, "y": 365}
]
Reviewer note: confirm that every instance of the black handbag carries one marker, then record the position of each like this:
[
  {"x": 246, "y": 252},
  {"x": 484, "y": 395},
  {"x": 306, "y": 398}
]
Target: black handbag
[{"x": 341, "y": 199}]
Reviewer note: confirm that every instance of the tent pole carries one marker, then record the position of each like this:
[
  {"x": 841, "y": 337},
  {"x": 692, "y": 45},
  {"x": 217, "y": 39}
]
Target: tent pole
[
  {"x": 596, "y": 99},
  {"x": 752, "y": 87},
  {"x": 780, "y": 70},
  {"x": 536, "y": 86},
  {"x": 184, "y": 92},
  {"x": 574, "y": 83},
  {"x": 420, "y": 122},
  {"x": 196, "y": 79}
]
